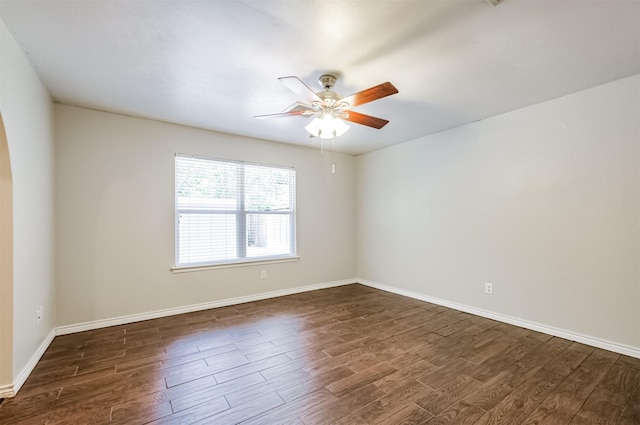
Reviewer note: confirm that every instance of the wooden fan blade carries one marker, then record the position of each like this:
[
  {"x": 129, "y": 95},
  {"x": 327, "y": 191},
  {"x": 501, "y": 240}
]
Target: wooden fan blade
[
  {"x": 371, "y": 94},
  {"x": 367, "y": 120},
  {"x": 296, "y": 85},
  {"x": 304, "y": 113}
]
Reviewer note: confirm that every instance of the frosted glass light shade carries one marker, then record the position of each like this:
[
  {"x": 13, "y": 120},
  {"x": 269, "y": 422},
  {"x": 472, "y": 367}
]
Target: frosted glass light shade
[
  {"x": 339, "y": 127},
  {"x": 327, "y": 127}
]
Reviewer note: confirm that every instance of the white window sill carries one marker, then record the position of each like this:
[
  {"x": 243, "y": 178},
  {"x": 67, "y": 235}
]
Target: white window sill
[{"x": 244, "y": 263}]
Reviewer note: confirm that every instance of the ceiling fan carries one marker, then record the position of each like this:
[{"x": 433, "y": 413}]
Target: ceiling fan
[{"x": 329, "y": 108}]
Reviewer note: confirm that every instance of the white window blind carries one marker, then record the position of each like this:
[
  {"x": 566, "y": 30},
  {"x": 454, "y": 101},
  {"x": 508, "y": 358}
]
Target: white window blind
[{"x": 228, "y": 211}]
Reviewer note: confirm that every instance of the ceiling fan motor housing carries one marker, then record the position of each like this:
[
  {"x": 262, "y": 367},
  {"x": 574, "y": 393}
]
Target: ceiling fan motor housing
[{"x": 329, "y": 95}]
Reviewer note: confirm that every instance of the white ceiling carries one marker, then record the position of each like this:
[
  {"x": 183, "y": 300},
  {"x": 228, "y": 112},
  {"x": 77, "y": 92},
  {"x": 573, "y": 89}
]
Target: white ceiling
[{"x": 215, "y": 64}]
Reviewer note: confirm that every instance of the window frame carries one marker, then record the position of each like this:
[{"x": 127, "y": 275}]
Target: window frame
[{"x": 241, "y": 221}]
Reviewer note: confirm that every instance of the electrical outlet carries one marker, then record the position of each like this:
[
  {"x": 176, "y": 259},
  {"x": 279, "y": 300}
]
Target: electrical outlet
[
  {"x": 264, "y": 274},
  {"x": 488, "y": 288}
]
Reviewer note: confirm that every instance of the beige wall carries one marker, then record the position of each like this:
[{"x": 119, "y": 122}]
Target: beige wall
[
  {"x": 27, "y": 113},
  {"x": 6, "y": 263},
  {"x": 543, "y": 202},
  {"x": 115, "y": 216}
]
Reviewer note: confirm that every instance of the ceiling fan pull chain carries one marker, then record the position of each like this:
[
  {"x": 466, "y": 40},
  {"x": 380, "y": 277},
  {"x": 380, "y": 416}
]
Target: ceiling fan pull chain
[{"x": 333, "y": 149}]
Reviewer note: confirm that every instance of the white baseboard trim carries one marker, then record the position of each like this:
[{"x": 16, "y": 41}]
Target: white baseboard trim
[
  {"x": 6, "y": 391},
  {"x": 97, "y": 324},
  {"x": 11, "y": 390},
  {"x": 549, "y": 330}
]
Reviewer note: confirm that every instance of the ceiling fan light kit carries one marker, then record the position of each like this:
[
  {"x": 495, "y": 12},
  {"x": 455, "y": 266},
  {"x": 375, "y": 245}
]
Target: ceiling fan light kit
[
  {"x": 327, "y": 127},
  {"x": 329, "y": 109}
]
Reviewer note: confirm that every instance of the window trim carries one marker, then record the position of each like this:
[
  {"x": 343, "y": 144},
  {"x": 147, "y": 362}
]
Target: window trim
[
  {"x": 240, "y": 261},
  {"x": 234, "y": 264}
]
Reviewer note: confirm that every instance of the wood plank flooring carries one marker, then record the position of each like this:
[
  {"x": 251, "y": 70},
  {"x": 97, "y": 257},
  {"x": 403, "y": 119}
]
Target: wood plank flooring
[{"x": 349, "y": 355}]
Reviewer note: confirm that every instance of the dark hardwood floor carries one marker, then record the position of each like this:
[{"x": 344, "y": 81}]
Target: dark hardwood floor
[{"x": 349, "y": 355}]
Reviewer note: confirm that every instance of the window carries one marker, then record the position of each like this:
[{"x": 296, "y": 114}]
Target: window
[{"x": 233, "y": 212}]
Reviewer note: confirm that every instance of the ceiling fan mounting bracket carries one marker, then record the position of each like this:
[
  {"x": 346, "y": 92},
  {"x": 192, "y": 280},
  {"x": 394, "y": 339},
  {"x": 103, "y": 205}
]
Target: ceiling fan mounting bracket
[{"x": 327, "y": 80}]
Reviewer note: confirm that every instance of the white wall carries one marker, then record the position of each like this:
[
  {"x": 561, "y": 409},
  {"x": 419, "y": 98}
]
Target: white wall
[
  {"x": 115, "y": 216},
  {"x": 543, "y": 202},
  {"x": 27, "y": 112}
]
